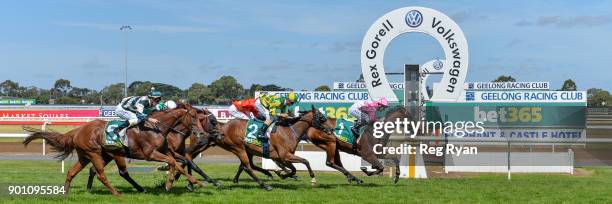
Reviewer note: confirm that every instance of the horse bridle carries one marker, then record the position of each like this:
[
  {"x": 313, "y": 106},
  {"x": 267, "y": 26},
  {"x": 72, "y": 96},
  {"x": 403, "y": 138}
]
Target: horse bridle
[
  {"x": 190, "y": 128},
  {"x": 317, "y": 122}
]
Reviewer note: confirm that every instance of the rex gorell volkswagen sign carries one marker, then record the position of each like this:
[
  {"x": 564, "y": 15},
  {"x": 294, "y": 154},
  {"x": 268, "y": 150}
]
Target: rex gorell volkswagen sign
[{"x": 415, "y": 19}]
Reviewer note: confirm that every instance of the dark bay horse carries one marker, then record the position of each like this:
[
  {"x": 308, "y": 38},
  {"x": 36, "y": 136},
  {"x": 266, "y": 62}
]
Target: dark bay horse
[
  {"x": 144, "y": 142},
  {"x": 366, "y": 143}
]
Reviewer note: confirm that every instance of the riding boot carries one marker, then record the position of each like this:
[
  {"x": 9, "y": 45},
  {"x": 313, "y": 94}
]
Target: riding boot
[
  {"x": 356, "y": 126},
  {"x": 118, "y": 129},
  {"x": 261, "y": 135},
  {"x": 355, "y": 130}
]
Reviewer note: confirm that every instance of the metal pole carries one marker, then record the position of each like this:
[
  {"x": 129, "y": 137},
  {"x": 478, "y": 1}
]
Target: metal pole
[{"x": 126, "y": 28}]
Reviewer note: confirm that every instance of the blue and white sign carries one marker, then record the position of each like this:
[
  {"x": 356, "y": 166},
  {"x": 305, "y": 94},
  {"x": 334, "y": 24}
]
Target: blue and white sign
[
  {"x": 108, "y": 112},
  {"x": 343, "y": 85},
  {"x": 324, "y": 96},
  {"x": 525, "y": 96},
  {"x": 519, "y": 134},
  {"x": 539, "y": 85}
]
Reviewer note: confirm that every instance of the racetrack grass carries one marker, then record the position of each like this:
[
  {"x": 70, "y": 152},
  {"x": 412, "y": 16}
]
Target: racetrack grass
[{"x": 332, "y": 187}]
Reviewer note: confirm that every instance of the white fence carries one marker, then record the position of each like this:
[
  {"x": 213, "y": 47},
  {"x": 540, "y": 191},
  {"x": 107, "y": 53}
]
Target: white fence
[
  {"x": 521, "y": 162},
  {"x": 45, "y": 122}
]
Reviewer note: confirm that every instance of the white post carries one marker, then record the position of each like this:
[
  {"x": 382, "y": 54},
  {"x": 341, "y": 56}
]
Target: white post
[
  {"x": 44, "y": 145},
  {"x": 571, "y": 155},
  {"x": 62, "y": 166},
  {"x": 509, "y": 170}
]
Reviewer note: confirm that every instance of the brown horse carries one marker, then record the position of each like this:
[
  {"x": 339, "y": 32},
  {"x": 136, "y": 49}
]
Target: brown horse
[
  {"x": 144, "y": 143},
  {"x": 283, "y": 143},
  {"x": 366, "y": 142},
  {"x": 176, "y": 145},
  {"x": 326, "y": 141}
]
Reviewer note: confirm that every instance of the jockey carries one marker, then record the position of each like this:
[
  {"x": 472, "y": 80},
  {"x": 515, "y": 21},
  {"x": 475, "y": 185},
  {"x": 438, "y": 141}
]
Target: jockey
[
  {"x": 135, "y": 109},
  {"x": 365, "y": 112},
  {"x": 242, "y": 109},
  {"x": 273, "y": 106}
]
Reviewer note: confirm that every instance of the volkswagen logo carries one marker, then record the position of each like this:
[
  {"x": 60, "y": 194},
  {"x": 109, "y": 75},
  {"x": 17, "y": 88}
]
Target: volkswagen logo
[
  {"x": 414, "y": 18},
  {"x": 437, "y": 65}
]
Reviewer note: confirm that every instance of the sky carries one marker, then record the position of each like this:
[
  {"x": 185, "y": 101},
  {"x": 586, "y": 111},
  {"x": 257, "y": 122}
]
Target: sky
[{"x": 296, "y": 44}]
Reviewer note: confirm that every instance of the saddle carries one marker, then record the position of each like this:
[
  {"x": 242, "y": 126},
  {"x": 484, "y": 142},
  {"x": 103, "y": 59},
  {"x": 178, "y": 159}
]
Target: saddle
[{"x": 111, "y": 140}]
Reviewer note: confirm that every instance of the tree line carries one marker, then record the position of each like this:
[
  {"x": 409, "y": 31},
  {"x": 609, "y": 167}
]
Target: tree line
[{"x": 220, "y": 92}]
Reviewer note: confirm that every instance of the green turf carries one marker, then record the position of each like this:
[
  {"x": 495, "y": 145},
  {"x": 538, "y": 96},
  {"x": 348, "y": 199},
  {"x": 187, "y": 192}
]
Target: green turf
[{"x": 332, "y": 187}]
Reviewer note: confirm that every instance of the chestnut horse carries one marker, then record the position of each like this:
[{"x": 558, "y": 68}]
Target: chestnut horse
[
  {"x": 322, "y": 139},
  {"x": 283, "y": 144},
  {"x": 144, "y": 143},
  {"x": 176, "y": 145}
]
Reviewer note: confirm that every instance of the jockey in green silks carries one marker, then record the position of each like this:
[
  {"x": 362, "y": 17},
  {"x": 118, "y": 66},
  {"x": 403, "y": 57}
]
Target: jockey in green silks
[{"x": 273, "y": 106}]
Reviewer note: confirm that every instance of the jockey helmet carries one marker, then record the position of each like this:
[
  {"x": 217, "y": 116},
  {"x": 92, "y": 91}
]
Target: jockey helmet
[
  {"x": 292, "y": 97},
  {"x": 154, "y": 93},
  {"x": 382, "y": 101}
]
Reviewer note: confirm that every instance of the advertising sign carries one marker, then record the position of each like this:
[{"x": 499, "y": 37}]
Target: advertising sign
[
  {"x": 515, "y": 115},
  {"x": 324, "y": 96},
  {"x": 422, "y": 20},
  {"x": 17, "y": 101},
  {"x": 49, "y": 113},
  {"x": 553, "y": 135},
  {"x": 108, "y": 112},
  {"x": 343, "y": 85},
  {"x": 524, "y": 96},
  {"x": 507, "y": 85}
]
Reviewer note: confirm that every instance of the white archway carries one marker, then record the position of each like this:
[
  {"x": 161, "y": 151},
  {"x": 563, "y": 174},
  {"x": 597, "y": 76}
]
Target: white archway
[{"x": 415, "y": 19}]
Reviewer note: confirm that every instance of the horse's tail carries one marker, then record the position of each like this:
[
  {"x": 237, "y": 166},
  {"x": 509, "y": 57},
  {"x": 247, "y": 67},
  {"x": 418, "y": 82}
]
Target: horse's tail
[{"x": 59, "y": 142}]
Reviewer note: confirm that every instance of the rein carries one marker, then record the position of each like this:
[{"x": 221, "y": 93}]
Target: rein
[{"x": 172, "y": 128}]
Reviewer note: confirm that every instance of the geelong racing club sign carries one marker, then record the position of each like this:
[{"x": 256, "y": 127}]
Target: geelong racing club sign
[{"x": 423, "y": 20}]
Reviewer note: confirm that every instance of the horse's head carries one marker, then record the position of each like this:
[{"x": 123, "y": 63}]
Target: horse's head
[
  {"x": 209, "y": 122},
  {"x": 183, "y": 119},
  {"x": 316, "y": 119}
]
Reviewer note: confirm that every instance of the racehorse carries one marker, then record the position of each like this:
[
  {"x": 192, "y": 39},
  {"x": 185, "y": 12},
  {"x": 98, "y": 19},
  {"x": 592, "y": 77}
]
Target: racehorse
[
  {"x": 322, "y": 139},
  {"x": 176, "y": 144},
  {"x": 144, "y": 142},
  {"x": 365, "y": 145},
  {"x": 283, "y": 143}
]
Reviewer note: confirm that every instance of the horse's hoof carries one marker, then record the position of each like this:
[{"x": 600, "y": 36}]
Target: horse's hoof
[
  {"x": 190, "y": 187},
  {"x": 235, "y": 180},
  {"x": 313, "y": 182},
  {"x": 395, "y": 180},
  {"x": 216, "y": 183},
  {"x": 168, "y": 188},
  {"x": 270, "y": 177},
  {"x": 267, "y": 188},
  {"x": 358, "y": 181},
  {"x": 294, "y": 177},
  {"x": 142, "y": 190}
]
